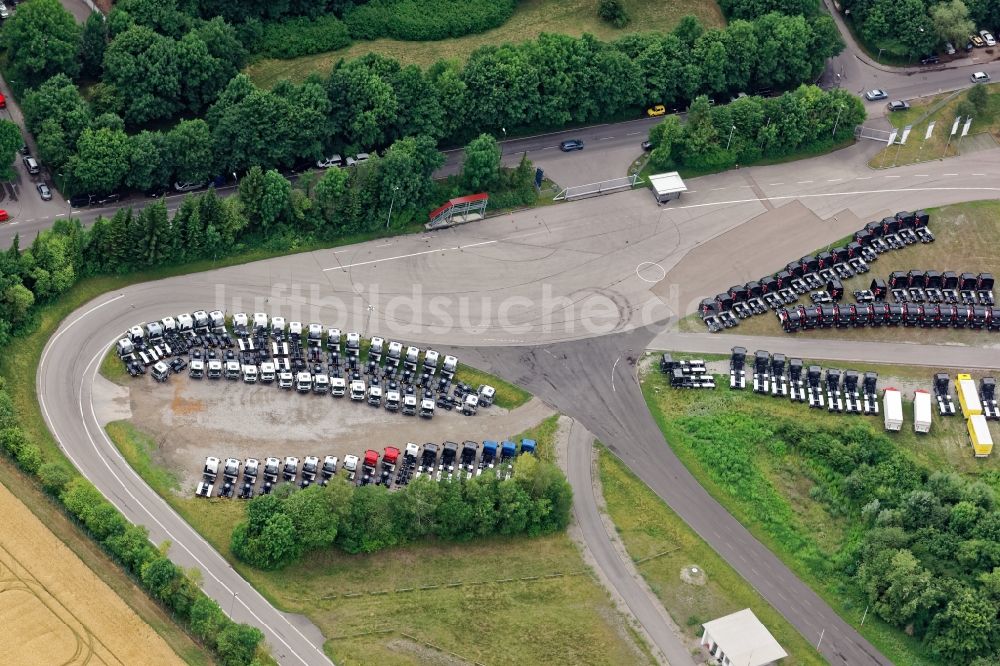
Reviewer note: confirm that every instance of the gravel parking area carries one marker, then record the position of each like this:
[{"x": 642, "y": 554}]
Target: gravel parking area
[{"x": 191, "y": 419}]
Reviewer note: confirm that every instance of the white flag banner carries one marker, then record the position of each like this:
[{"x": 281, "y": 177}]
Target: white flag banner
[
  {"x": 906, "y": 133},
  {"x": 930, "y": 130},
  {"x": 968, "y": 124},
  {"x": 954, "y": 127},
  {"x": 892, "y": 137}
]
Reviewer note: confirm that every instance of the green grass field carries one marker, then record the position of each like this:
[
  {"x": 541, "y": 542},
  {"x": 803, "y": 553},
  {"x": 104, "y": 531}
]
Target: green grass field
[
  {"x": 383, "y": 608},
  {"x": 966, "y": 241},
  {"x": 661, "y": 545},
  {"x": 531, "y": 18},
  {"x": 939, "y": 109},
  {"x": 775, "y": 496}
]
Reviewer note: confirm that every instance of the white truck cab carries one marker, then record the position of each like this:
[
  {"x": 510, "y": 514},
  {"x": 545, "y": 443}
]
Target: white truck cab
[
  {"x": 295, "y": 328},
  {"x": 267, "y": 372},
  {"x": 375, "y": 396},
  {"x": 303, "y": 382},
  {"x": 250, "y": 374},
  {"x": 470, "y": 405},
  {"x": 357, "y": 390},
  {"x": 169, "y": 324},
  {"x": 196, "y": 369},
  {"x": 431, "y": 361},
  {"x": 412, "y": 354},
  {"x": 338, "y": 387},
  {"x": 395, "y": 350},
  {"x": 392, "y": 399},
  {"x": 241, "y": 319},
  {"x": 351, "y": 466},
  {"x": 486, "y": 395},
  {"x": 427, "y": 408},
  {"x": 136, "y": 333},
  {"x": 218, "y": 320},
  {"x": 161, "y": 372},
  {"x": 354, "y": 341},
  {"x": 185, "y": 322},
  {"x": 232, "y": 369},
  {"x": 277, "y": 325},
  {"x": 409, "y": 405},
  {"x": 201, "y": 319},
  {"x": 450, "y": 364},
  {"x": 377, "y": 345},
  {"x": 260, "y": 321},
  {"x": 316, "y": 333},
  {"x": 214, "y": 369},
  {"x": 124, "y": 347},
  {"x": 321, "y": 383},
  {"x": 333, "y": 339},
  {"x": 286, "y": 380}
]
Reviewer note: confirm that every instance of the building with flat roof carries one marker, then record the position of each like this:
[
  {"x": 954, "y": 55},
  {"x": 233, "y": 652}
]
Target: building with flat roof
[{"x": 740, "y": 639}]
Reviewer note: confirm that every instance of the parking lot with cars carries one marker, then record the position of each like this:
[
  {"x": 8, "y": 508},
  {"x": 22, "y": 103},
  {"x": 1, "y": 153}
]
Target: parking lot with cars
[{"x": 204, "y": 382}]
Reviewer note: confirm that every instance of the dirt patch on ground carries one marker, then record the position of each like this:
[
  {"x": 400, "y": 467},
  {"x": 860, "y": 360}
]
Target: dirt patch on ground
[
  {"x": 55, "y": 610},
  {"x": 192, "y": 419}
]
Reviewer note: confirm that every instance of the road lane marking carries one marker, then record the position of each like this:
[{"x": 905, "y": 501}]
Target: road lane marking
[
  {"x": 979, "y": 174},
  {"x": 833, "y": 180},
  {"x": 60, "y": 214},
  {"x": 632, "y": 133},
  {"x": 613, "y": 373},
  {"x": 839, "y": 194},
  {"x": 803, "y": 182},
  {"x": 864, "y": 178},
  {"x": 892, "y": 176},
  {"x": 920, "y": 175},
  {"x": 774, "y": 184},
  {"x": 407, "y": 256},
  {"x": 949, "y": 174}
]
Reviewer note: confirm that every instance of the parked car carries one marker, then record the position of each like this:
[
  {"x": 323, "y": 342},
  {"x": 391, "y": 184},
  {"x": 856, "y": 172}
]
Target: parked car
[
  {"x": 44, "y": 192},
  {"x": 4, "y": 12},
  {"x": 988, "y": 38},
  {"x": 979, "y": 77},
  {"x": 350, "y": 161},
  {"x": 4, "y": 215},
  {"x": 105, "y": 199},
  {"x": 898, "y": 105},
  {"x": 187, "y": 186},
  {"x": 81, "y": 200},
  {"x": 571, "y": 144},
  {"x": 30, "y": 164},
  {"x": 949, "y": 48},
  {"x": 876, "y": 94},
  {"x": 647, "y": 145},
  {"x": 3, "y": 101},
  {"x": 361, "y": 157},
  {"x": 656, "y": 110},
  {"x": 328, "y": 162},
  {"x": 977, "y": 41},
  {"x": 931, "y": 59}
]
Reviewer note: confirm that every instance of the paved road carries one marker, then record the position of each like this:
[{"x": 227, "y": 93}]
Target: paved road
[
  {"x": 519, "y": 284},
  {"x": 621, "y": 575}
]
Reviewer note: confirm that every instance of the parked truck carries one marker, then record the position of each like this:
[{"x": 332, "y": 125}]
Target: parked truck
[
  {"x": 892, "y": 407},
  {"x": 528, "y": 446},
  {"x": 368, "y": 465},
  {"x": 208, "y": 475},
  {"x": 351, "y": 466},
  {"x": 449, "y": 452},
  {"x": 357, "y": 390},
  {"x": 428, "y": 459},
  {"x": 921, "y": 411},
  {"x": 310, "y": 467},
  {"x": 486, "y": 461},
  {"x": 272, "y": 467},
  {"x": 328, "y": 470},
  {"x": 979, "y": 432},
  {"x": 390, "y": 456},
  {"x": 968, "y": 396},
  {"x": 290, "y": 468},
  {"x": 467, "y": 461},
  {"x": 303, "y": 382}
]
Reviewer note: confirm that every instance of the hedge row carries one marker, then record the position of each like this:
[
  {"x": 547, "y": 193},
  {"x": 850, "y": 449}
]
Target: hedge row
[
  {"x": 303, "y": 36},
  {"x": 426, "y": 20}
]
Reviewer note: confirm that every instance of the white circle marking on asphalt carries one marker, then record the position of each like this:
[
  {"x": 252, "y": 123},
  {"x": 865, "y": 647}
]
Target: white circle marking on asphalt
[{"x": 649, "y": 264}]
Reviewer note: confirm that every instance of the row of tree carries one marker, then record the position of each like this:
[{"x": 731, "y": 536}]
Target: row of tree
[
  {"x": 284, "y": 525},
  {"x": 750, "y": 128},
  {"x": 912, "y": 28},
  {"x": 157, "y": 68},
  {"x": 928, "y": 556},
  {"x": 234, "y": 644}
]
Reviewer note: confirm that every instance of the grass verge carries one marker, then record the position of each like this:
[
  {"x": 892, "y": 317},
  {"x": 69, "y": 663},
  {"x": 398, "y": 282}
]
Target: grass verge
[
  {"x": 986, "y": 120},
  {"x": 966, "y": 241},
  {"x": 662, "y": 545},
  {"x": 372, "y": 608},
  {"x": 507, "y": 395},
  {"x": 530, "y": 19},
  {"x": 775, "y": 494}
]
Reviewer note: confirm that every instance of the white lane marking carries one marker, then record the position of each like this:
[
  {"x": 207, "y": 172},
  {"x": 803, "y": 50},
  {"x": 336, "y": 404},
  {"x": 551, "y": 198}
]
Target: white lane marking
[
  {"x": 173, "y": 539},
  {"x": 979, "y": 174},
  {"x": 384, "y": 245},
  {"x": 16, "y": 221},
  {"x": 892, "y": 176},
  {"x": 949, "y": 174},
  {"x": 407, "y": 256},
  {"x": 864, "y": 178},
  {"x": 715, "y": 189},
  {"x": 613, "y": 373},
  {"x": 60, "y": 214},
  {"x": 833, "y": 180},
  {"x": 841, "y": 194},
  {"x": 803, "y": 182},
  {"x": 773, "y": 184},
  {"x": 632, "y": 133},
  {"x": 77, "y": 212},
  {"x": 920, "y": 175},
  {"x": 52, "y": 342}
]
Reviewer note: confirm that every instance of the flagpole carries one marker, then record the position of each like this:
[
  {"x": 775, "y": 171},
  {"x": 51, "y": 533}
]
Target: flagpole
[
  {"x": 965, "y": 130},
  {"x": 902, "y": 140},
  {"x": 954, "y": 128},
  {"x": 927, "y": 135}
]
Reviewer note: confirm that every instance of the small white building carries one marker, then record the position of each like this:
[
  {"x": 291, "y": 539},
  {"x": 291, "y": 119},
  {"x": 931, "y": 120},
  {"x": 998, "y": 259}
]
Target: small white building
[
  {"x": 740, "y": 639},
  {"x": 667, "y": 186}
]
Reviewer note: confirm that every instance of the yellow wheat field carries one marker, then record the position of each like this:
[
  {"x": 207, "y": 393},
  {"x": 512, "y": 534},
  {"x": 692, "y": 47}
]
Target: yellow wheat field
[{"x": 55, "y": 610}]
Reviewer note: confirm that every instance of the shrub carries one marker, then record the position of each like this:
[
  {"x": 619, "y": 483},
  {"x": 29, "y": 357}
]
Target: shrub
[
  {"x": 55, "y": 476},
  {"x": 29, "y": 458},
  {"x": 426, "y": 20},
  {"x": 613, "y": 11},
  {"x": 303, "y": 36}
]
